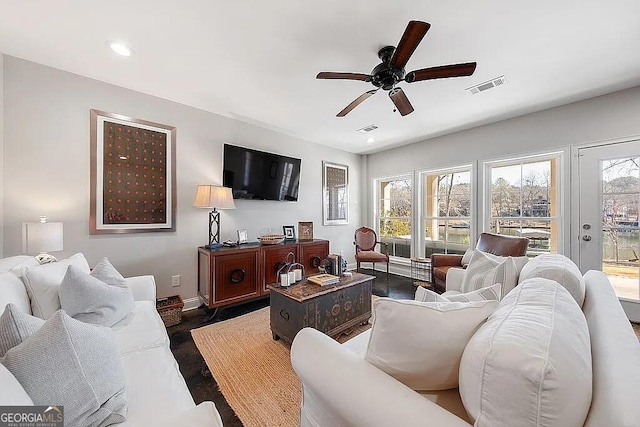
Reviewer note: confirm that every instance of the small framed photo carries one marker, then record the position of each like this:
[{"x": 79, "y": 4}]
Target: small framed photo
[
  {"x": 242, "y": 237},
  {"x": 289, "y": 232},
  {"x": 305, "y": 230}
]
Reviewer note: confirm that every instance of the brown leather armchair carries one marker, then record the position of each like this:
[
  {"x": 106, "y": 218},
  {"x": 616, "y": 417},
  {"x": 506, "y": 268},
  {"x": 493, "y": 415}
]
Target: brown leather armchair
[
  {"x": 365, "y": 239},
  {"x": 492, "y": 243}
]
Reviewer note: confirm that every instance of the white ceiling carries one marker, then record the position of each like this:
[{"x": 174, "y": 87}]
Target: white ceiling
[{"x": 256, "y": 60}]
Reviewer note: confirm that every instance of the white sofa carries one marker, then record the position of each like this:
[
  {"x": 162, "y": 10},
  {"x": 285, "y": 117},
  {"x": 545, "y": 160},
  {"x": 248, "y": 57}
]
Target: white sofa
[
  {"x": 342, "y": 389},
  {"x": 156, "y": 391}
]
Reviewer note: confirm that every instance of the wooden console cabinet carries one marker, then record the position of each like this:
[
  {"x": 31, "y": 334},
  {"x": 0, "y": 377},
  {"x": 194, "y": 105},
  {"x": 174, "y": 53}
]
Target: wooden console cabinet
[{"x": 230, "y": 275}]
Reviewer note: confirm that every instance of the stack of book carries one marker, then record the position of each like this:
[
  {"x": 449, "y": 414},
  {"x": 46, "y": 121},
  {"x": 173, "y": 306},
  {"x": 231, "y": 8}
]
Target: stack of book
[
  {"x": 335, "y": 265},
  {"x": 324, "y": 279}
]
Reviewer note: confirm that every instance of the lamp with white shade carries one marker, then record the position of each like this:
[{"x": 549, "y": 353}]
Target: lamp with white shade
[
  {"x": 214, "y": 197},
  {"x": 43, "y": 237}
]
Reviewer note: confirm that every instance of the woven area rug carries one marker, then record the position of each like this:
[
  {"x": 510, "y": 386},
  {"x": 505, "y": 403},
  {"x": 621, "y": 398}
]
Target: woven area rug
[{"x": 253, "y": 371}]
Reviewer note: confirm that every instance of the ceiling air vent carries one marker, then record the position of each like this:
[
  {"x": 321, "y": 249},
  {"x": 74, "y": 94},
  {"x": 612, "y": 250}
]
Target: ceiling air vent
[
  {"x": 367, "y": 128},
  {"x": 498, "y": 81}
]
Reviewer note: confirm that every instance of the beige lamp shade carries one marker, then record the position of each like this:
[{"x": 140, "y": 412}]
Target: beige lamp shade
[
  {"x": 214, "y": 197},
  {"x": 43, "y": 237}
]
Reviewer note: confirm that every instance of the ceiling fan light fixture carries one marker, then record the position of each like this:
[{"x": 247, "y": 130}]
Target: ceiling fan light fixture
[
  {"x": 120, "y": 48},
  {"x": 391, "y": 71}
]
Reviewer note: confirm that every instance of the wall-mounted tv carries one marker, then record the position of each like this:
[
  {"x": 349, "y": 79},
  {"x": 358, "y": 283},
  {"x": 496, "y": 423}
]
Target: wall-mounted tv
[{"x": 258, "y": 175}]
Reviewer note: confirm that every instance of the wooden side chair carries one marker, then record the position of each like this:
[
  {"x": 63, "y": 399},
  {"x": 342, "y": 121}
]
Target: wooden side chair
[{"x": 366, "y": 240}]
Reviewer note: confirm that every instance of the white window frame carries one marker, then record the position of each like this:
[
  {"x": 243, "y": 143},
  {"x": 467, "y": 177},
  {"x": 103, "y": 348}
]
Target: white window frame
[
  {"x": 376, "y": 210},
  {"x": 422, "y": 209},
  {"x": 563, "y": 177}
]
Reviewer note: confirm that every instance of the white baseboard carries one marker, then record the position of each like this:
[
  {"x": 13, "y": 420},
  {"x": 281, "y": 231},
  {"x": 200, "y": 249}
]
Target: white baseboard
[{"x": 191, "y": 304}]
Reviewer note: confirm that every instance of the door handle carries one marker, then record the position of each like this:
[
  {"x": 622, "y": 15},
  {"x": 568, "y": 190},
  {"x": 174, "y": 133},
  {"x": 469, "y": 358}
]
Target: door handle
[{"x": 586, "y": 238}]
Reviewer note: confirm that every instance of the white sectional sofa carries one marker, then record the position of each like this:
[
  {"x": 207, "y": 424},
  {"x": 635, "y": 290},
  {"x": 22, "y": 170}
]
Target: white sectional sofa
[
  {"x": 156, "y": 391},
  {"x": 341, "y": 388}
]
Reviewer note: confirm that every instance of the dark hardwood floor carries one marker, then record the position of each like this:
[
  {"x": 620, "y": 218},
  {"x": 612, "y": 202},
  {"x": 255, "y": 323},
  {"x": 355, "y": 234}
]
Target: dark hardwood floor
[{"x": 202, "y": 385}]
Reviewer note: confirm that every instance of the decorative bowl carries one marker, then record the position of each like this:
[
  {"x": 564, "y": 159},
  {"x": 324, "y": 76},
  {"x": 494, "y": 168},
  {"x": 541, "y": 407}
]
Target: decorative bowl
[{"x": 271, "y": 239}]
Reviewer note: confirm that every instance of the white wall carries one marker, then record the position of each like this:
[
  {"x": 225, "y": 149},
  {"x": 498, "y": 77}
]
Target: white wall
[
  {"x": 602, "y": 118},
  {"x": 1, "y": 152},
  {"x": 46, "y": 172}
]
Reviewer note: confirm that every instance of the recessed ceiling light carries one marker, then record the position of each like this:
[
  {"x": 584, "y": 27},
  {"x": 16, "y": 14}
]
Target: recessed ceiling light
[
  {"x": 121, "y": 49},
  {"x": 370, "y": 140}
]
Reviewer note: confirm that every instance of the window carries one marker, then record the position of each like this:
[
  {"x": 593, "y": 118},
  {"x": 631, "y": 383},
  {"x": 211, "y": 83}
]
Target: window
[
  {"x": 522, "y": 200},
  {"x": 446, "y": 211},
  {"x": 394, "y": 203}
]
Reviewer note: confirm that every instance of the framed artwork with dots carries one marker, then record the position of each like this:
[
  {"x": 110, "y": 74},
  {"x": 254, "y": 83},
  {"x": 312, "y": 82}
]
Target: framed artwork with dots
[{"x": 133, "y": 175}]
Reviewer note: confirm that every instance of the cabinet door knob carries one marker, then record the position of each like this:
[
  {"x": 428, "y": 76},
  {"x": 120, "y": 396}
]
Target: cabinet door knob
[{"x": 237, "y": 275}]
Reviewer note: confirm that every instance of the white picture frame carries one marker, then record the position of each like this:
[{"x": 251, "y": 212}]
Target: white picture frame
[{"x": 335, "y": 193}]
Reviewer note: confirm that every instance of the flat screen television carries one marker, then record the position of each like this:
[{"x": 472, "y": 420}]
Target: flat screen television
[{"x": 258, "y": 175}]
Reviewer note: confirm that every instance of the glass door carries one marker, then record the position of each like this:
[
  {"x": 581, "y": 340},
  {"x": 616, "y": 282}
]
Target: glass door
[{"x": 609, "y": 230}]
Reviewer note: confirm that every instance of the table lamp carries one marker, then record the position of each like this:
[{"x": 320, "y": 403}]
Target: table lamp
[
  {"x": 214, "y": 197},
  {"x": 42, "y": 237}
]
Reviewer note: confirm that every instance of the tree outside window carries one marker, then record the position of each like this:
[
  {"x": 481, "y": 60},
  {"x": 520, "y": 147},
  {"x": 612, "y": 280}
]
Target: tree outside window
[
  {"x": 524, "y": 202},
  {"x": 447, "y": 212},
  {"x": 620, "y": 195},
  {"x": 394, "y": 217}
]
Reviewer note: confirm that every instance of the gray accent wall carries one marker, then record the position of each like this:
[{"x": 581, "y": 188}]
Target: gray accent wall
[{"x": 46, "y": 172}]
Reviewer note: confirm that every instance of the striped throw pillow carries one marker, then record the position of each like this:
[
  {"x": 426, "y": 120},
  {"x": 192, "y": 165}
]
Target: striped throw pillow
[
  {"x": 490, "y": 293},
  {"x": 484, "y": 271},
  {"x": 427, "y": 295}
]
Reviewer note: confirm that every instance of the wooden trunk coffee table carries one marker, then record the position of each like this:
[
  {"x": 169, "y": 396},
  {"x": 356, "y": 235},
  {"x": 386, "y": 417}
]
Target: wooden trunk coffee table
[{"x": 331, "y": 309}]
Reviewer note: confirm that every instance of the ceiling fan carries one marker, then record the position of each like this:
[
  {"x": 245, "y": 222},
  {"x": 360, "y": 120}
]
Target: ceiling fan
[{"x": 391, "y": 71}]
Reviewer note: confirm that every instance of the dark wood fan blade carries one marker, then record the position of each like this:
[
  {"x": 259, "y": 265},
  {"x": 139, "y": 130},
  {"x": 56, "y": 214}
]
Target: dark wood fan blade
[
  {"x": 410, "y": 40},
  {"x": 402, "y": 102},
  {"x": 359, "y": 100},
  {"x": 442, "y": 72},
  {"x": 344, "y": 76}
]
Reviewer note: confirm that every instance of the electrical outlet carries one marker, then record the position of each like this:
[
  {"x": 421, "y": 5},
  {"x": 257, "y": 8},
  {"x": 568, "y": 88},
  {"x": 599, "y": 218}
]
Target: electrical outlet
[{"x": 175, "y": 281}]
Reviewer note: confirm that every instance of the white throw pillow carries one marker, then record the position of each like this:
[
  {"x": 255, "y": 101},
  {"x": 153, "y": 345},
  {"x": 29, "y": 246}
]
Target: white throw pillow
[
  {"x": 484, "y": 271},
  {"x": 15, "y": 327},
  {"x": 11, "y": 392},
  {"x": 490, "y": 293},
  {"x": 420, "y": 343},
  {"x": 14, "y": 263},
  {"x": 42, "y": 283},
  {"x": 90, "y": 300},
  {"x": 107, "y": 273},
  {"x": 560, "y": 269},
  {"x": 466, "y": 258},
  {"x": 530, "y": 363},
  {"x": 73, "y": 364},
  {"x": 427, "y": 295},
  {"x": 520, "y": 261},
  {"x": 12, "y": 290}
]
